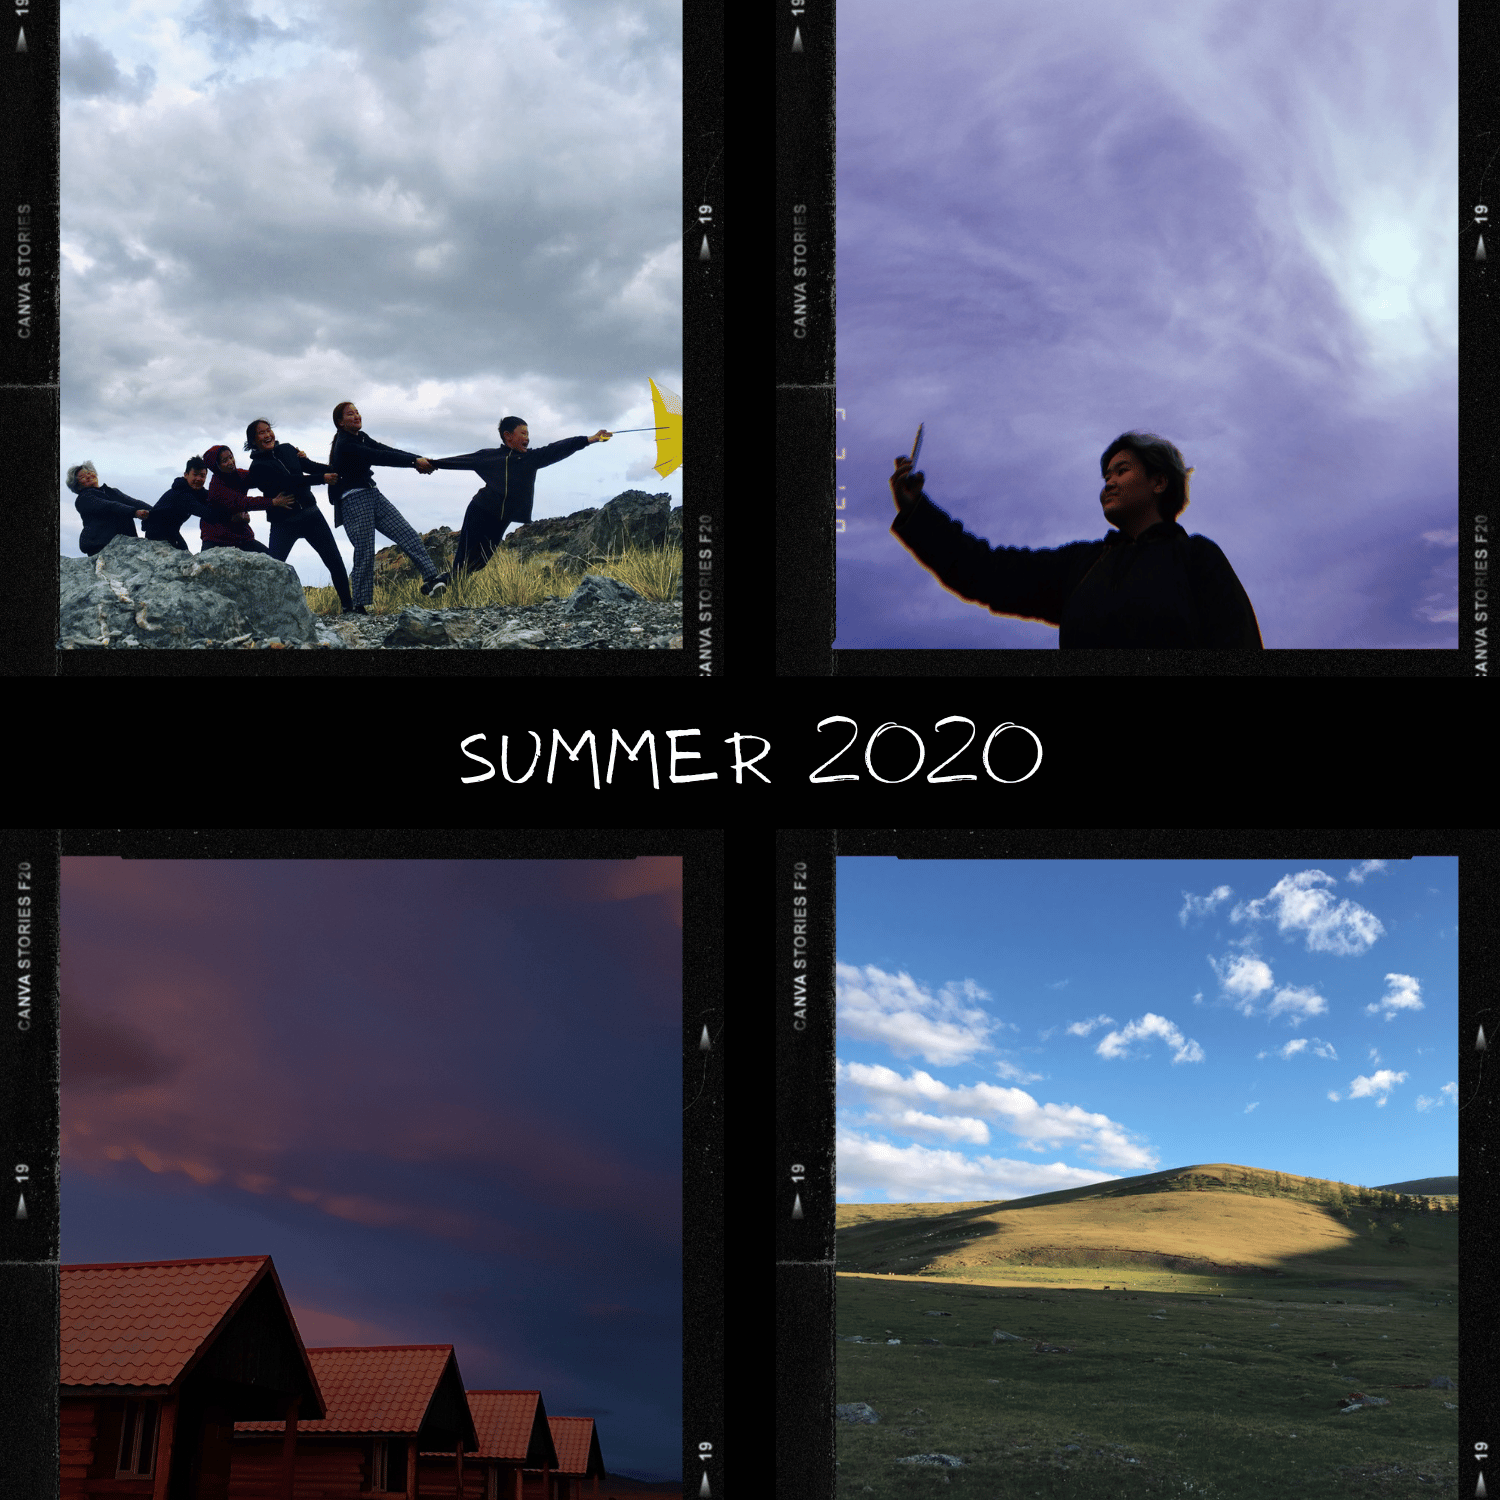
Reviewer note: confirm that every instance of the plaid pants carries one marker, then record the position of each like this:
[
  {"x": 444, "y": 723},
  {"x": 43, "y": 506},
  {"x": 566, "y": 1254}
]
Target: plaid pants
[{"x": 365, "y": 512}]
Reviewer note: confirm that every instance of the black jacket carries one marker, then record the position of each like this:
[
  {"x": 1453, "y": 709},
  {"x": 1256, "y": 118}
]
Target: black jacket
[
  {"x": 283, "y": 471},
  {"x": 107, "y": 513},
  {"x": 179, "y": 502},
  {"x": 509, "y": 476},
  {"x": 353, "y": 454},
  {"x": 1165, "y": 588}
]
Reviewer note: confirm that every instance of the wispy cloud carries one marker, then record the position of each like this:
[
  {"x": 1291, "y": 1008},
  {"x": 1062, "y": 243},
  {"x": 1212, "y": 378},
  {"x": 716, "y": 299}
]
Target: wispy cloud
[
  {"x": 1326, "y": 1050},
  {"x": 1380, "y": 1083},
  {"x": 1298, "y": 903},
  {"x": 1150, "y": 1025},
  {"x": 1201, "y": 906},
  {"x": 1363, "y": 868},
  {"x": 1058, "y": 984},
  {"x": 945, "y": 1026},
  {"x": 1249, "y": 1107},
  {"x": 1015, "y": 1074},
  {"x": 895, "y": 1102},
  {"x": 1082, "y": 1028},
  {"x": 1402, "y": 992},
  {"x": 1448, "y": 1094}
]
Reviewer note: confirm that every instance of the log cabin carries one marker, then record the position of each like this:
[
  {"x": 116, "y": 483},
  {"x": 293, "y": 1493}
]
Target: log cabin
[
  {"x": 158, "y": 1361},
  {"x": 514, "y": 1435},
  {"x": 384, "y": 1403},
  {"x": 578, "y": 1458}
]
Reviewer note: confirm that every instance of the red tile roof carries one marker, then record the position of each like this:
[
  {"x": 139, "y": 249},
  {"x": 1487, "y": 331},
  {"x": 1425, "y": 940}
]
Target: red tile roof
[
  {"x": 387, "y": 1388},
  {"x": 504, "y": 1421},
  {"x": 573, "y": 1437},
  {"x": 145, "y": 1323}
]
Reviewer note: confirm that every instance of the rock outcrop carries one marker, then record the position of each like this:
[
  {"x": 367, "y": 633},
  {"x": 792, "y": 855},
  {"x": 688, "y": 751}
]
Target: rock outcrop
[{"x": 137, "y": 593}]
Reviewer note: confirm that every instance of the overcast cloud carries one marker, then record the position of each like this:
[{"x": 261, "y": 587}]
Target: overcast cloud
[
  {"x": 1227, "y": 222},
  {"x": 444, "y": 213}
]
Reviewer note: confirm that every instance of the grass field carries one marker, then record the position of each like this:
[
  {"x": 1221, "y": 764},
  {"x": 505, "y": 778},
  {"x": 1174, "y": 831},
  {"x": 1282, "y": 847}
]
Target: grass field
[
  {"x": 1241, "y": 1310},
  {"x": 653, "y": 572}
]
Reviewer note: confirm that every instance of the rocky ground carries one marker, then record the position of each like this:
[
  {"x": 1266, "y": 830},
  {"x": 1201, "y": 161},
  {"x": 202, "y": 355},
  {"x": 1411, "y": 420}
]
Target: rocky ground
[{"x": 629, "y": 625}]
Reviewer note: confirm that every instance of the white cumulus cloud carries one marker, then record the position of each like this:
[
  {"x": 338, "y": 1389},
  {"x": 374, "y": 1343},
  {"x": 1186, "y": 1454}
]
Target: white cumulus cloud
[
  {"x": 945, "y": 1027},
  {"x": 1326, "y": 1050},
  {"x": 1298, "y": 903},
  {"x": 1150, "y": 1025},
  {"x": 1380, "y": 1083},
  {"x": 1402, "y": 992},
  {"x": 872, "y": 1170},
  {"x": 1298, "y": 1003},
  {"x": 1244, "y": 978},
  {"x": 892, "y": 1099},
  {"x": 1363, "y": 868},
  {"x": 1201, "y": 906}
]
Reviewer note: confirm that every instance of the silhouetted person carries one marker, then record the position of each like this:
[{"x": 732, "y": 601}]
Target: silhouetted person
[
  {"x": 361, "y": 509},
  {"x": 509, "y": 474},
  {"x": 286, "y": 472},
  {"x": 185, "y": 498},
  {"x": 1148, "y": 583}
]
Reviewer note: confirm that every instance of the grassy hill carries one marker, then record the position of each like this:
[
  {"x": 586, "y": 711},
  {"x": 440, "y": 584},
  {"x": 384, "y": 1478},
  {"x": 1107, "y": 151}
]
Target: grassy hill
[
  {"x": 1218, "y": 1219},
  {"x": 1431, "y": 1186}
]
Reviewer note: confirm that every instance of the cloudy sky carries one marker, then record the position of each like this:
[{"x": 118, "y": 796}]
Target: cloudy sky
[
  {"x": 444, "y": 1097},
  {"x": 1016, "y": 1027},
  {"x": 1227, "y": 221},
  {"x": 445, "y": 213}
]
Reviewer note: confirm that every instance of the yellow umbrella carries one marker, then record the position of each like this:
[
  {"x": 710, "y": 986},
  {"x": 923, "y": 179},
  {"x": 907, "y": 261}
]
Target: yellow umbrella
[{"x": 668, "y": 407}]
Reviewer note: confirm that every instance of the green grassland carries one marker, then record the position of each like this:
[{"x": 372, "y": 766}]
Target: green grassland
[{"x": 1242, "y": 1307}]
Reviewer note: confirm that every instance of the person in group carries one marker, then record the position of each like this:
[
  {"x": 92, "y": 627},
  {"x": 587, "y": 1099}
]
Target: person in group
[
  {"x": 227, "y": 520},
  {"x": 106, "y": 511},
  {"x": 1148, "y": 583},
  {"x": 360, "y": 508},
  {"x": 509, "y": 474},
  {"x": 280, "y": 468},
  {"x": 184, "y": 499}
]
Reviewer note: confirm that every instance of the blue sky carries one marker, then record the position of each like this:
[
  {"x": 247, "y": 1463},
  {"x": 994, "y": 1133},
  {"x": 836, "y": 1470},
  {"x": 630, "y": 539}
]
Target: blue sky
[
  {"x": 444, "y": 1096},
  {"x": 1226, "y": 221},
  {"x": 1012, "y": 1027}
]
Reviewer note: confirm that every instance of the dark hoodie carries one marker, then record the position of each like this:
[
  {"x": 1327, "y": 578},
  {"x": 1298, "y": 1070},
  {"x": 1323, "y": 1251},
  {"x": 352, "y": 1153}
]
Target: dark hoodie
[
  {"x": 224, "y": 497},
  {"x": 509, "y": 476},
  {"x": 107, "y": 513},
  {"x": 179, "y": 502},
  {"x": 1164, "y": 589},
  {"x": 283, "y": 471},
  {"x": 351, "y": 457}
]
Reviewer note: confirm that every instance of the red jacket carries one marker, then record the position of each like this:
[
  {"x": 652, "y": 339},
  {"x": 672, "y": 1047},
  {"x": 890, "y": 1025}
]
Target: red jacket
[{"x": 226, "y": 495}]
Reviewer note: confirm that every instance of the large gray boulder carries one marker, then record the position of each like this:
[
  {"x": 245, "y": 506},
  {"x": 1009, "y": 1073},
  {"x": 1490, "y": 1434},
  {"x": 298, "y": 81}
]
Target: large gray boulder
[
  {"x": 144, "y": 593},
  {"x": 631, "y": 519}
]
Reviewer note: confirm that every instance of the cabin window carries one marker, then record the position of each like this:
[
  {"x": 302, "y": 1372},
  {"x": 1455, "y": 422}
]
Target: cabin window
[
  {"x": 388, "y": 1468},
  {"x": 138, "y": 1438}
]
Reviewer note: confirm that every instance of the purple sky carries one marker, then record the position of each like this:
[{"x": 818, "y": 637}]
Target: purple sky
[
  {"x": 1228, "y": 223},
  {"x": 445, "y": 1097}
]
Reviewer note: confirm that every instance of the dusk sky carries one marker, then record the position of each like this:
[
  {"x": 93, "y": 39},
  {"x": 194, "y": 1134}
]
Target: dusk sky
[
  {"x": 444, "y": 213},
  {"x": 1226, "y": 222},
  {"x": 1013, "y": 1027},
  {"x": 445, "y": 1097}
]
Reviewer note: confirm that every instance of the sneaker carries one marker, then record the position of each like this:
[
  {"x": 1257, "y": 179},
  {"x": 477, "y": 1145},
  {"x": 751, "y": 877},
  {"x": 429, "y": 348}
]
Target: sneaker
[{"x": 437, "y": 585}]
